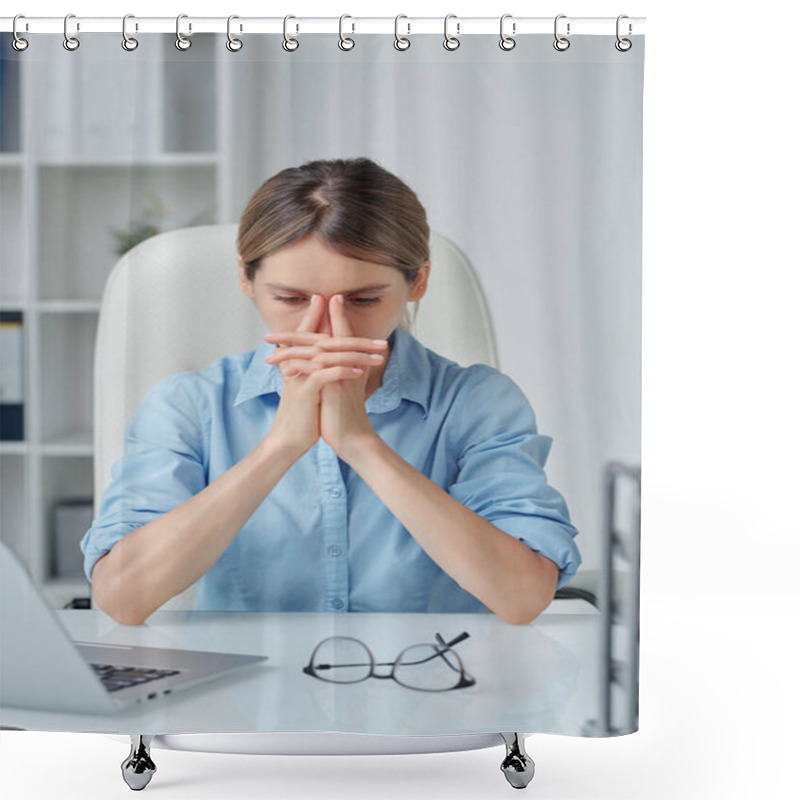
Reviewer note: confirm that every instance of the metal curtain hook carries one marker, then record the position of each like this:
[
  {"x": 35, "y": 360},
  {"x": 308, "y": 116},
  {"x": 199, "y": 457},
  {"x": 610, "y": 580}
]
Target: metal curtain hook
[
  {"x": 70, "y": 42},
  {"x": 451, "y": 42},
  {"x": 561, "y": 43},
  {"x": 233, "y": 44},
  {"x": 289, "y": 44},
  {"x": 345, "y": 42},
  {"x": 401, "y": 43},
  {"x": 181, "y": 42},
  {"x": 128, "y": 42},
  {"x": 507, "y": 42},
  {"x": 623, "y": 45},
  {"x": 19, "y": 44}
]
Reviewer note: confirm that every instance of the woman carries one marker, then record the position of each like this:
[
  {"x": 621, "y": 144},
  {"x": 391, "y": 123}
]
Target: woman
[{"x": 341, "y": 466}]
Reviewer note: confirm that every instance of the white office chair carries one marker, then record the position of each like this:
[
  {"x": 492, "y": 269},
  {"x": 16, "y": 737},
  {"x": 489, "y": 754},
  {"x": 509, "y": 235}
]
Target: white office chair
[{"x": 173, "y": 303}]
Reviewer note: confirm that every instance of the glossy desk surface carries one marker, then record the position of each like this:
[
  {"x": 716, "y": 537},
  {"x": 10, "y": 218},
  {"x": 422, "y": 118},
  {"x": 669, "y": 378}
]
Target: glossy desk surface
[{"x": 542, "y": 677}]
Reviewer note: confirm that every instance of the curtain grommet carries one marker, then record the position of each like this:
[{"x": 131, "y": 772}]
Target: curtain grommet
[
  {"x": 182, "y": 42},
  {"x": 400, "y": 42},
  {"x": 561, "y": 43},
  {"x": 623, "y": 45},
  {"x": 233, "y": 44},
  {"x": 289, "y": 44},
  {"x": 507, "y": 42},
  {"x": 451, "y": 42},
  {"x": 18, "y": 43},
  {"x": 128, "y": 42},
  {"x": 70, "y": 43},
  {"x": 345, "y": 42}
]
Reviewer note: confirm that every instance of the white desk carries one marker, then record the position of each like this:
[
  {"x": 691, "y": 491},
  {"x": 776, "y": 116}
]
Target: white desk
[{"x": 542, "y": 677}]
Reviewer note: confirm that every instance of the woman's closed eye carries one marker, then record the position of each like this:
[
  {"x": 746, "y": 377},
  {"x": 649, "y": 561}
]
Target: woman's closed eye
[{"x": 362, "y": 301}]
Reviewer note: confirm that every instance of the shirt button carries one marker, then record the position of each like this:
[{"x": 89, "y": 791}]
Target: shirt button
[
  {"x": 335, "y": 492},
  {"x": 334, "y": 550},
  {"x": 337, "y": 603}
]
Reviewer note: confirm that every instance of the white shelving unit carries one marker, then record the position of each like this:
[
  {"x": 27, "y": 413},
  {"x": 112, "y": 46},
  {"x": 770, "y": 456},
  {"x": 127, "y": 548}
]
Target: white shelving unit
[{"x": 86, "y": 145}]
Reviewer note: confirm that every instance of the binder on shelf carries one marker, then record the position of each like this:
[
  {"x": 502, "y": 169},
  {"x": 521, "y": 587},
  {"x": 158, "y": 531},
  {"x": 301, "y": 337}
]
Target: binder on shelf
[{"x": 12, "y": 383}]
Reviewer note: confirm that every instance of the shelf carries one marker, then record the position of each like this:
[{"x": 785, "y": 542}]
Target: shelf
[
  {"x": 11, "y": 159},
  {"x": 75, "y": 443},
  {"x": 13, "y": 448},
  {"x": 160, "y": 160},
  {"x": 60, "y": 591},
  {"x": 79, "y": 585},
  {"x": 69, "y": 307}
]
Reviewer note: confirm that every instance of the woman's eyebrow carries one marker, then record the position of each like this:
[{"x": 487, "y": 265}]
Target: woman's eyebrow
[{"x": 374, "y": 287}]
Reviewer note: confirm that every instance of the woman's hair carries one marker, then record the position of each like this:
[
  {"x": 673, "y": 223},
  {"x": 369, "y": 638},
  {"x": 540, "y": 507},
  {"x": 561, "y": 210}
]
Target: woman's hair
[{"x": 355, "y": 206}]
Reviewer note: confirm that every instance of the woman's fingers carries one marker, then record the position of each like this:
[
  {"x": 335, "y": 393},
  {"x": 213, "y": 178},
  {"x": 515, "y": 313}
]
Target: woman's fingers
[
  {"x": 325, "y": 360},
  {"x": 333, "y": 374},
  {"x": 320, "y": 375},
  {"x": 283, "y": 353},
  {"x": 324, "y": 342}
]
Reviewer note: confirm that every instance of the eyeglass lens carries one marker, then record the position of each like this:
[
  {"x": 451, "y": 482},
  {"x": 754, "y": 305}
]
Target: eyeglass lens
[
  {"x": 429, "y": 668},
  {"x": 341, "y": 659}
]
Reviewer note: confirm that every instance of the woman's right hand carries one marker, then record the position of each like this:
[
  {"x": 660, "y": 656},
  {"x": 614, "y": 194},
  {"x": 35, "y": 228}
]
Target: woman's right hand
[{"x": 296, "y": 423}]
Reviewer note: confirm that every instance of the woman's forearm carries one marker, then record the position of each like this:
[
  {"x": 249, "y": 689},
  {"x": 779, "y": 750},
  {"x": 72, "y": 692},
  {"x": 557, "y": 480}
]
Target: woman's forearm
[
  {"x": 164, "y": 557},
  {"x": 501, "y": 571}
]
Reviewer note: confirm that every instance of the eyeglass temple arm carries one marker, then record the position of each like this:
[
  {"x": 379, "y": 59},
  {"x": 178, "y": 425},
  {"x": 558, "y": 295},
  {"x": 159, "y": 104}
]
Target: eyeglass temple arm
[{"x": 459, "y": 638}]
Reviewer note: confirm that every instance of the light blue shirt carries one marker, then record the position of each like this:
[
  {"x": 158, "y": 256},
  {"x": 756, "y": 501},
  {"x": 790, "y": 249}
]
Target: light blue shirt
[{"x": 322, "y": 540}]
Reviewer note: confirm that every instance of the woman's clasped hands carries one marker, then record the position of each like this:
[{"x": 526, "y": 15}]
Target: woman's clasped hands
[{"x": 324, "y": 380}]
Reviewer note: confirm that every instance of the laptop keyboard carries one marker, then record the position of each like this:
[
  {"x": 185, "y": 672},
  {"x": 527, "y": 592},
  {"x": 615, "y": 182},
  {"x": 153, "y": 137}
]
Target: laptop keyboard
[{"x": 116, "y": 677}]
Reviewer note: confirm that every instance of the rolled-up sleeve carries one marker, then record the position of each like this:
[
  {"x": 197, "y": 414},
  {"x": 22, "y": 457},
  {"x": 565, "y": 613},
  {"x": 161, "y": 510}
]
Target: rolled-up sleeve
[
  {"x": 501, "y": 458},
  {"x": 162, "y": 466}
]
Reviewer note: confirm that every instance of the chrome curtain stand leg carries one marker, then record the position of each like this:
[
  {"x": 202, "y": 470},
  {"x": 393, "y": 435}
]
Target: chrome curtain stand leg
[
  {"x": 138, "y": 768},
  {"x": 517, "y": 766}
]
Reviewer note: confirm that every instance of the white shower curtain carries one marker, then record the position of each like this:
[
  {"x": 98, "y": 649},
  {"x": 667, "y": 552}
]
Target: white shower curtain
[{"x": 529, "y": 163}]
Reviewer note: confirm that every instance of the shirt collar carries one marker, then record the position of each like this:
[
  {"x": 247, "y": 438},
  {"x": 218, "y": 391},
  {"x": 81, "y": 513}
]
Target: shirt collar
[{"x": 407, "y": 375}]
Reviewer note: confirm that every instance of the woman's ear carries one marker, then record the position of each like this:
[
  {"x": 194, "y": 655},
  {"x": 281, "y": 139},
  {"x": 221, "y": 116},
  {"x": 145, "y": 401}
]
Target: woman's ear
[
  {"x": 244, "y": 284},
  {"x": 421, "y": 282}
]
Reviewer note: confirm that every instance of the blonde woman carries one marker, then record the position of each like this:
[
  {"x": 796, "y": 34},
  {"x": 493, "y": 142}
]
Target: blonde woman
[{"x": 341, "y": 465}]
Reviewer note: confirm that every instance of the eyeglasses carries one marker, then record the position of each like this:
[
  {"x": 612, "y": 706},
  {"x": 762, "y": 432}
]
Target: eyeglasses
[{"x": 424, "y": 667}]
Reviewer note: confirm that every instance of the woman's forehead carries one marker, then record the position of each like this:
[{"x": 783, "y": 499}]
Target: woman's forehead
[
  {"x": 317, "y": 269},
  {"x": 319, "y": 289}
]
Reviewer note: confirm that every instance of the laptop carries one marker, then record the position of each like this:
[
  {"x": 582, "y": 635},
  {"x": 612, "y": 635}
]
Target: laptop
[{"x": 41, "y": 667}]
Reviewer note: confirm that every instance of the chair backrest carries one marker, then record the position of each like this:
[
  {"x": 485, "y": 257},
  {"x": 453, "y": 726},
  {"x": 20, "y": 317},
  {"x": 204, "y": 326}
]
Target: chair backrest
[{"x": 173, "y": 303}]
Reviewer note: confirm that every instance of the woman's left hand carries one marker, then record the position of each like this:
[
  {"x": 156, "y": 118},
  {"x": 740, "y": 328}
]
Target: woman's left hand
[{"x": 343, "y": 421}]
